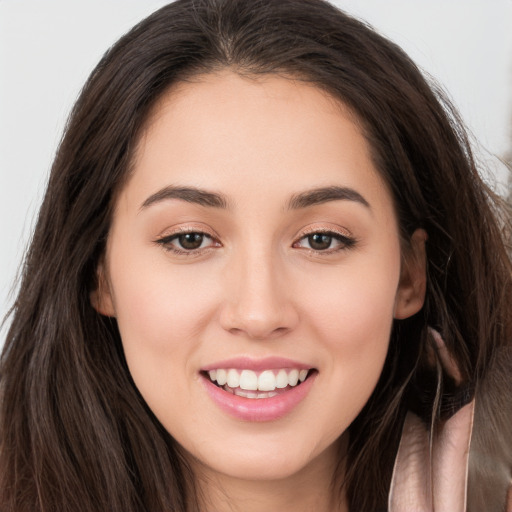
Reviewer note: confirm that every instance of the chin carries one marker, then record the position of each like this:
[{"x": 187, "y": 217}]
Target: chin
[
  {"x": 260, "y": 468},
  {"x": 268, "y": 461}
]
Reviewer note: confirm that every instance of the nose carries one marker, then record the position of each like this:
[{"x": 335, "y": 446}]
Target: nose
[{"x": 258, "y": 301}]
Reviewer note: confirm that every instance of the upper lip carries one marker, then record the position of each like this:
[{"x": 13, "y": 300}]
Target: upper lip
[{"x": 248, "y": 363}]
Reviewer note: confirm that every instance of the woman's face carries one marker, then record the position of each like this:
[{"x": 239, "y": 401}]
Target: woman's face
[{"x": 255, "y": 242}]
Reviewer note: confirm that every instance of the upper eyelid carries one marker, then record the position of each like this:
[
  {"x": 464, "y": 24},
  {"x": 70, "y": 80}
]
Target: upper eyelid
[
  {"x": 183, "y": 230},
  {"x": 173, "y": 236},
  {"x": 325, "y": 230},
  {"x": 166, "y": 242},
  {"x": 180, "y": 230},
  {"x": 349, "y": 239}
]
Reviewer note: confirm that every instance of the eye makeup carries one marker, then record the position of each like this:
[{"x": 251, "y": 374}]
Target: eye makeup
[
  {"x": 325, "y": 241},
  {"x": 194, "y": 242},
  {"x": 188, "y": 242}
]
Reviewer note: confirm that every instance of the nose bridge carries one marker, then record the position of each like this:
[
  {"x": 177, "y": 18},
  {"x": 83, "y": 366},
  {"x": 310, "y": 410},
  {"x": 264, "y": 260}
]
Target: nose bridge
[{"x": 258, "y": 302}]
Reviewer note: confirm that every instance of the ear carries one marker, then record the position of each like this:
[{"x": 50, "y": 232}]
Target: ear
[
  {"x": 101, "y": 296},
  {"x": 411, "y": 290}
]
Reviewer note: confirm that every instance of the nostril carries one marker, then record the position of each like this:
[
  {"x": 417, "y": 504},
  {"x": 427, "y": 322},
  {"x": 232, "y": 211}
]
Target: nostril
[
  {"x": 258, "y": 317},
  {"x": 258, "y": 332}
]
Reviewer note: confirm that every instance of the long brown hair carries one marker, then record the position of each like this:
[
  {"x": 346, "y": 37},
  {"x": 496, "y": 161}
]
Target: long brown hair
[{"x": 75, "y": 434}]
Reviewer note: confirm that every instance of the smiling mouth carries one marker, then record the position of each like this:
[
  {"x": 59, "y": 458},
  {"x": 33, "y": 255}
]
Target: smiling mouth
[{"x": 258, "y": 385}]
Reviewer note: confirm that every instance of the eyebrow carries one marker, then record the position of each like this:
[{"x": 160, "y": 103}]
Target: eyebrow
[
  {"x": 188, "y": 194},
  {"x": 215, "y": 200},
  {"x": 325, "y": 195}
]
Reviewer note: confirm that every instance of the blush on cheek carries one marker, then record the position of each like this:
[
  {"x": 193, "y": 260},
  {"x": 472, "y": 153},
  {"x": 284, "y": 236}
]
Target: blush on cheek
[{"x": 355, "y": 316}]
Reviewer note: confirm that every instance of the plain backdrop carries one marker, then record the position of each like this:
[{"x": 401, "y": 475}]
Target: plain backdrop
[{"x": 48, "y": 48}]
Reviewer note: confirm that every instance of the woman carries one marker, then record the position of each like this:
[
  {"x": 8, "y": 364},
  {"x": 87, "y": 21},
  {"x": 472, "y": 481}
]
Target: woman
[{"x": 264, "y": 252}]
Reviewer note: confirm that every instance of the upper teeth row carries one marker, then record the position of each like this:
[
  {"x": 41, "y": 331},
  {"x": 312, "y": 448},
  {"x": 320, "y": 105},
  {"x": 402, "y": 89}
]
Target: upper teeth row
[{"x": 265, "y": 381}]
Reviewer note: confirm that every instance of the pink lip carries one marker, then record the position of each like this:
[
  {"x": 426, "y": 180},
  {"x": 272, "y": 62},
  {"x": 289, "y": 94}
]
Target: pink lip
[
  {"x": 258, "y": 409},
  {"x": 246, "y": 363}
]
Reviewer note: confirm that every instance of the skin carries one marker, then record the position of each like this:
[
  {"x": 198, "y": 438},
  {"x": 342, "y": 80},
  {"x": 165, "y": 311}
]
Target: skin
[{"x": 256, "y": 288}]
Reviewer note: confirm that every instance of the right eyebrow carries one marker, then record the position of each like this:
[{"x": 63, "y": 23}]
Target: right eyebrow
[
  {"x": 325, "y": 195},
  {"x": 188, "y": 194}
]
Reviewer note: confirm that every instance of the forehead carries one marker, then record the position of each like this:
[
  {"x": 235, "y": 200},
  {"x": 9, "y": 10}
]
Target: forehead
[{"x": 223, "y": 130}]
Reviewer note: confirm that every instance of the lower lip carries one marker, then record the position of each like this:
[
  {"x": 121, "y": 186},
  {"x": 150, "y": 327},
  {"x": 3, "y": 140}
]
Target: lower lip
[{"x": 259, "y": 409}]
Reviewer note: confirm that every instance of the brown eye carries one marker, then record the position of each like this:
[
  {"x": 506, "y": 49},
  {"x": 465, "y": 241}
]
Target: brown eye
[
  {"x": 191, "y": 241},
  {"x": 320, "y": 241},
  {"x": 328, "y": 242}
]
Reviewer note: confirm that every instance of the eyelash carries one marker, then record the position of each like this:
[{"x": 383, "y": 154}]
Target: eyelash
[
  {"x": 345, "y": 242},
  {"x": 166, "y": 242}
]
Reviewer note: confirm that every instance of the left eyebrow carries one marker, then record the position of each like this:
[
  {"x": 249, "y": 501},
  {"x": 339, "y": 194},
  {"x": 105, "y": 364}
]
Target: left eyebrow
[
  {"x": 325, "y": 195},
  {"x": 189, "y": 195}
]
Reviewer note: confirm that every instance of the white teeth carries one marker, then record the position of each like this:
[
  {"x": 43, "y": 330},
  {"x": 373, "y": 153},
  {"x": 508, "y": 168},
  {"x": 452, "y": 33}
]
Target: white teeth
[
  {"x": 293, "y": 377},
  {"x": 222, "y": 377},
  {"x": 281, "y": 379},
  {"x": 253, "y": 394},
  {"x": 267, "y": 381},
  {"x": 233, "y": 379},
  {"x": 250, "y": 381}
]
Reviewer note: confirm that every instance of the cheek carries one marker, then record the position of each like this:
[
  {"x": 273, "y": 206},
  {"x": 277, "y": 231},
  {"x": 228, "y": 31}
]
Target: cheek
[
  {"x": 155, "y": 300},
  {"x": 160, "y": 313},
  {"x": 158, "y": 316},
  {"x": 352, "y": 324},
  {"x": 354, "y": 307}
]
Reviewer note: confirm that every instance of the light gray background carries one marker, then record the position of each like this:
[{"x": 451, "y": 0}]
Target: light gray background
[{"x": 48, "y": 48}]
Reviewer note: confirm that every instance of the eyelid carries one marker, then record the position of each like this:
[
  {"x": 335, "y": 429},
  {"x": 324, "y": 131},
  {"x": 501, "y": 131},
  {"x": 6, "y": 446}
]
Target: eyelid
[
  {"x": 324, "y": 229},
  {"x": 165, "y": 239},
  {"x": 189, "y": 228},
  {"x": 344, "y": 236}
]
